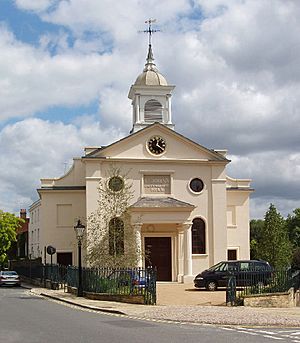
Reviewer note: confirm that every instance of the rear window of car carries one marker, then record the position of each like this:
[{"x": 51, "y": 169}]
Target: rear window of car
[
  {"x": 244, "y": 266},
  {"x": 9, "y": 273}
]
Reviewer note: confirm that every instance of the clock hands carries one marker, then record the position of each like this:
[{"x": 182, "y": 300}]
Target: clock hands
[
  {"x": 156, "y": 145},
  {"x": 161, "y": 148}
]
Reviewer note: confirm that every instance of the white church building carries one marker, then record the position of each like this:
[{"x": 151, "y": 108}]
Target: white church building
[{"x": 187, "y": 212}]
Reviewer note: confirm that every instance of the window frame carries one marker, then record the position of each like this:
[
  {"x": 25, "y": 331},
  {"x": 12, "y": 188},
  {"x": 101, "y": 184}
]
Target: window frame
[
  {"x": 193, "y": 191},
  {"x": 198, "y": 239}
]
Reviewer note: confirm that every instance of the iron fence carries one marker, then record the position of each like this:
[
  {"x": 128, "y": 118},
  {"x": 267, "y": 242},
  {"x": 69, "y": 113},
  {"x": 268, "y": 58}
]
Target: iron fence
[
  {"x": 128, "y": 281},
  {"x": 253, "y": 282}
]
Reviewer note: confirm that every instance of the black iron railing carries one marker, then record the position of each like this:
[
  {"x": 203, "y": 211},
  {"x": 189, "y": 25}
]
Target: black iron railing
[
  {"x": 126, "y": 281},
  {"x": 251, "y": 282}
]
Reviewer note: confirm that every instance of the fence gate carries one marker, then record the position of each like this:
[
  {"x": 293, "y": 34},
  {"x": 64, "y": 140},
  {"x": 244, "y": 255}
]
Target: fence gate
[{"x": 231, "y": 291}]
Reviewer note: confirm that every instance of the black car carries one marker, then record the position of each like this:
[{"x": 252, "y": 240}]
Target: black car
[{"x": 246, "y": 272}]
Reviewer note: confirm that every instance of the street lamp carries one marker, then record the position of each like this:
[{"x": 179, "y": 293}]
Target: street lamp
[{"x": 79, "y": 229}]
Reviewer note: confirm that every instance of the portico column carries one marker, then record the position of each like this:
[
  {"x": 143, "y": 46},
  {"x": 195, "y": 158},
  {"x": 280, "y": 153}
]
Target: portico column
[
  {"x": 180, "y": 254},
  {"x": 138, "y": 235},
  {"x": 137, "y": 109},
  {"x": 169, "y": 119},
  {"x": 187, "y": 252}
]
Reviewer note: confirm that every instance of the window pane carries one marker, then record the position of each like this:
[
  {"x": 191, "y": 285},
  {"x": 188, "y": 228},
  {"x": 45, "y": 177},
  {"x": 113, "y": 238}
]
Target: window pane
[
  {"x": 198, "y": 236},
  {"x": 196, "y": 185},
  {"x": 153, "y": 111}
]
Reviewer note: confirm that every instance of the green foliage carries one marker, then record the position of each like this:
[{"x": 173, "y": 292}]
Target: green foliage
[
  {"x": 104, "y": 248},
  {"x": 274, "y": 245},
  {"x": 296, "y": 259},
  {"x": 9, "y": 224},
  {"x": 256, "y": 231},
  {"x": 293, "y": 227}
]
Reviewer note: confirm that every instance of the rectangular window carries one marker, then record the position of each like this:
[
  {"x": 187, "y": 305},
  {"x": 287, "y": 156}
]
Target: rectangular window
[
  {"x": 64, "y": 215},
  {"x": 64, "y": 258},
  {"x": 231, "y": 254}
]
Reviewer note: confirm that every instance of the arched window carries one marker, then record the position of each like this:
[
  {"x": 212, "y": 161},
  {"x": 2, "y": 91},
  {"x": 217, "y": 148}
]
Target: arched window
[
  {"x": 153, "y": 111},
  {"x": 116, "y": 237},
  {"x": 198, "y": 236}
]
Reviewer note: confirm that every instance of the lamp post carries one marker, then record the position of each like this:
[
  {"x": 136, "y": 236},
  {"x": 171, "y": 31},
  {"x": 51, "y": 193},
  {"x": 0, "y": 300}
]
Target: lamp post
[{"x": 79, "y": 229}]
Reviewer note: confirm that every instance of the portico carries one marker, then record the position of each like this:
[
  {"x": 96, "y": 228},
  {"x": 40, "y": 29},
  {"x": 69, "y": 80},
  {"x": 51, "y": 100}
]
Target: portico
[{"x": 165, "y": 217}]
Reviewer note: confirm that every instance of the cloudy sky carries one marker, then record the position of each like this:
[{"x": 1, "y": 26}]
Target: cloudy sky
[{"x": 66, "y": 67}]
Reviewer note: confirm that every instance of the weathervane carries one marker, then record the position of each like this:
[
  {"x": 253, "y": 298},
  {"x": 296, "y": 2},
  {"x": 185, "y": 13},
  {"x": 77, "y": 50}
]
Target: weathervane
[{"x": 150, "y": 31}]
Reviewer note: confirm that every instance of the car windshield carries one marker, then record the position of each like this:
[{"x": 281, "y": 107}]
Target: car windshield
[
  {"x": 8, "y": 273},
  {"x": 221, "y": 266}
]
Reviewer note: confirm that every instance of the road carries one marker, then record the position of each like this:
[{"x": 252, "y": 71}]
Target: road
[{"x": 28, "y": 318}]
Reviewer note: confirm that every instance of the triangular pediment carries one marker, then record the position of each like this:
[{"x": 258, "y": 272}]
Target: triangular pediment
[{"x": 177, "y": 147}]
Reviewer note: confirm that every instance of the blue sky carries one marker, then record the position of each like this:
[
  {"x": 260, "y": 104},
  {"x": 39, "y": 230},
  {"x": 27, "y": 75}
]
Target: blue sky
[
  {"x": 66, "y": 68},
  {"x": 26, "y": 25}
]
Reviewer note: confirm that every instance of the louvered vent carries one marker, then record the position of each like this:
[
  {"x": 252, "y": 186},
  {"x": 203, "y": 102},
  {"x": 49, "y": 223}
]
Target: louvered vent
[{"x": 153, "y": 111}]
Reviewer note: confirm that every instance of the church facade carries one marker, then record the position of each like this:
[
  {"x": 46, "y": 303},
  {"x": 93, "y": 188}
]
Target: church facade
[{"x": 186, "y": 212}]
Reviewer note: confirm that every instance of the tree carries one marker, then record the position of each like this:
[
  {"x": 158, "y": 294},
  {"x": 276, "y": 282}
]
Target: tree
[
  {"x": 111, "y": 238},
  {"x": 274, "y": 245},
  {"x": 296, "y": 259},
  {"x": 9, "y": 224},
  {"x": 293, "y": 227},
  {"x": 256, "y": 230}
]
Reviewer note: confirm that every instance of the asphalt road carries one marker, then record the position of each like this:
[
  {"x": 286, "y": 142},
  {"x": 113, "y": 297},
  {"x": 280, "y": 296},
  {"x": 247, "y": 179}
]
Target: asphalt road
[{"x": 31, "y": 319}]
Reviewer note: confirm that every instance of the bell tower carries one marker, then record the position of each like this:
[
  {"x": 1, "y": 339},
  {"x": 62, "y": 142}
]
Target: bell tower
[{"x": 150, "y": 94}]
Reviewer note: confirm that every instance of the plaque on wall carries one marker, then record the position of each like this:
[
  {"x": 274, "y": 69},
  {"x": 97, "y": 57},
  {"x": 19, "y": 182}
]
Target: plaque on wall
[{"x": 157, "y": 184}]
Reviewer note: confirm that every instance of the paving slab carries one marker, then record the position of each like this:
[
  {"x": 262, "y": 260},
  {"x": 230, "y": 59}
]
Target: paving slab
[{"x": 187, "y": 294}]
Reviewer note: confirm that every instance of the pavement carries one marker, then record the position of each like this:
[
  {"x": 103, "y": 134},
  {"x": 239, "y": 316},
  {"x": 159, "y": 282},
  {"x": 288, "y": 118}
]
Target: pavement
[{"x": 183, "y": 304}]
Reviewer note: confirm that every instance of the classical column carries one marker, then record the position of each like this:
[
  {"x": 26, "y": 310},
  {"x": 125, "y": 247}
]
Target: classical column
[
  {"x": 187, "y": 252},
  {"x": 137, "y": 109},
  {"x": 169, "y": 109},
  {"x": 180, "y": 251},
  {"x": 138, "y": 235}
]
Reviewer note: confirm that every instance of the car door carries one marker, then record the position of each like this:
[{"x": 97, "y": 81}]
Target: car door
[{"x": 221, "y": 274}]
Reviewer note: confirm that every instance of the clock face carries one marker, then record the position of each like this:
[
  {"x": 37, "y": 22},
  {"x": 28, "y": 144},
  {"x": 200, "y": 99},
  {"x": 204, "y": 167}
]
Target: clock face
[{"x": 156, "y": 145}]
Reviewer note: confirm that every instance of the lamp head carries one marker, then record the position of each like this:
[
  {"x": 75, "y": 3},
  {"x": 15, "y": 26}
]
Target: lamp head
[{"x": 79, "y": 229}]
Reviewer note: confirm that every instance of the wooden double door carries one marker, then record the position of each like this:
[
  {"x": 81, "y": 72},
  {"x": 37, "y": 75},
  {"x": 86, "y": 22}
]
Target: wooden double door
[{"x": 159, "y": 255}]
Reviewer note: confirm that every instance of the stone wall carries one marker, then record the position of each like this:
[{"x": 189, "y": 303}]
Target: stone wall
[
  {"x": 287, "y": 299},
  {"x": 131, "y": 299}
]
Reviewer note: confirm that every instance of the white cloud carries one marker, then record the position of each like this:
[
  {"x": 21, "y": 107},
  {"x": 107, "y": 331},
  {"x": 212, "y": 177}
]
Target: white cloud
[
  {"x": 34, "y": 5},
  {"x": 34, "y": 148},
  {"x": 32, "y": 80},
  {"x": 275, "y": 177},
  {"x": 236, "y": 69}
]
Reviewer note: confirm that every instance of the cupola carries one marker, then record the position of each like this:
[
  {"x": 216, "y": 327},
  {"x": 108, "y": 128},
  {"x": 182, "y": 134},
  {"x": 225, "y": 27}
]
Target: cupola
[{"x": 151, "y": 97}]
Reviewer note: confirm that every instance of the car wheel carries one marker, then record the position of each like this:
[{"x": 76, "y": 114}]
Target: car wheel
[{"x": 211, "y": 286}]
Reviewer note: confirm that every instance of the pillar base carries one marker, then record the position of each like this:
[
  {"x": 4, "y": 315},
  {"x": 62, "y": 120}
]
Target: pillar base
[
  {"x": 180, "y": 278},
  {"x": 188, "y": 278}
]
